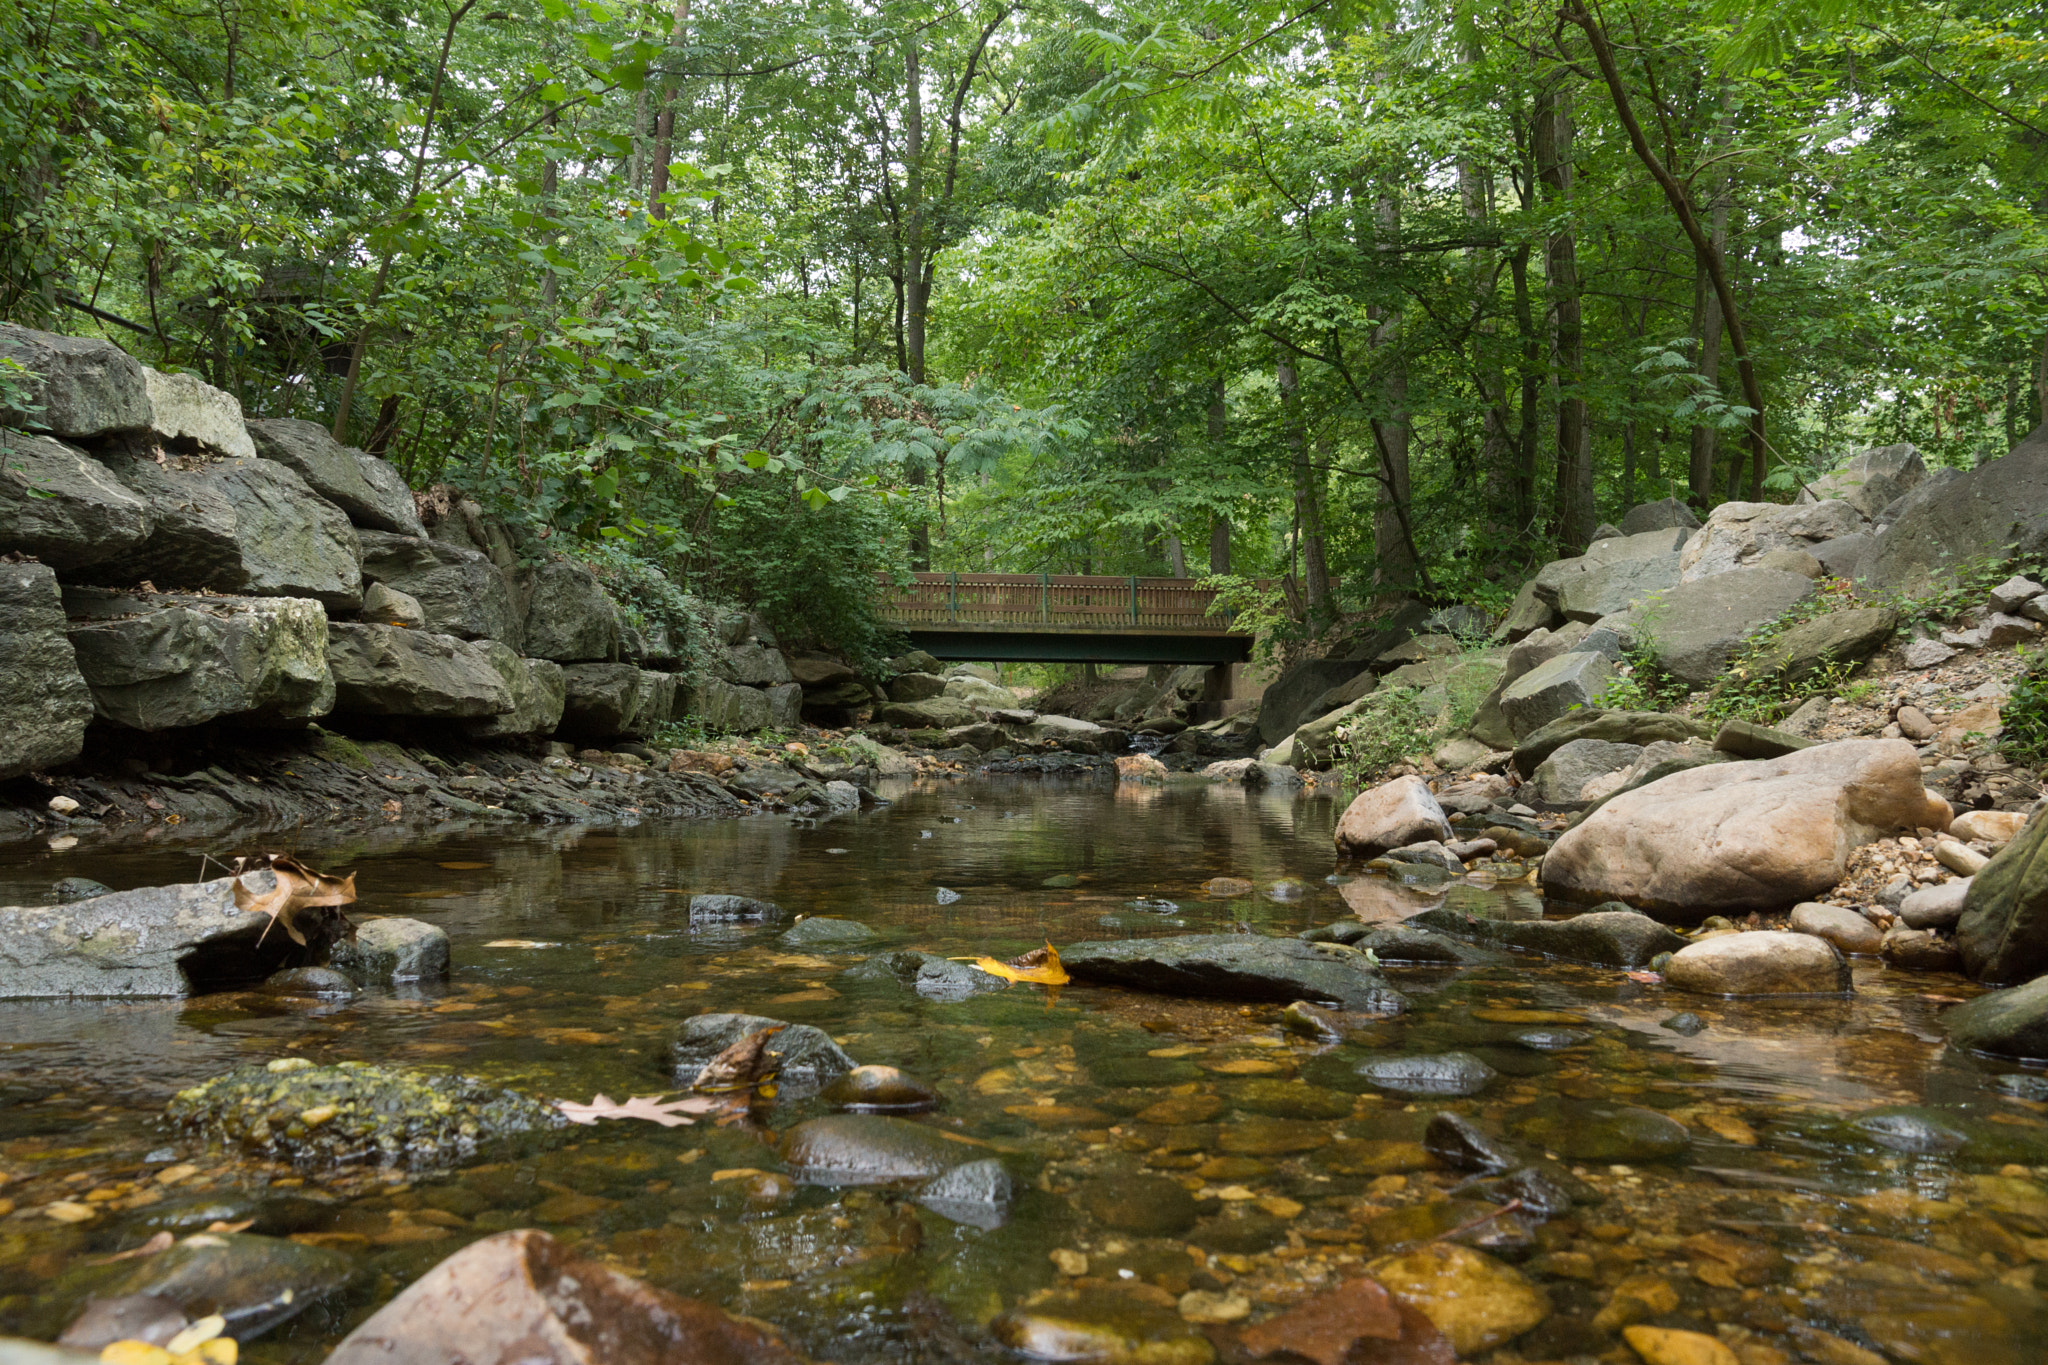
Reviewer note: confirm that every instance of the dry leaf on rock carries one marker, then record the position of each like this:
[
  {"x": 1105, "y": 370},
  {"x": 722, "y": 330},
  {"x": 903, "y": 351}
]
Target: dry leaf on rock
[
  {"x": 672, "y": 1114},
  {"x": 299, "y": 888},
  {"x": 162, "y": 1241},
  {"x": 744, "y": 1065},
  {"x": 1039, "y": 967}
]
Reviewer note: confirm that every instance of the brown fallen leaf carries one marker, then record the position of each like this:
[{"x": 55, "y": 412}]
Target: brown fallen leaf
[
  {"x": 162, "y": 1241},
  {"x": 744, "y": 1065},
  {"x": 672, "y": 1114},
  {"x": 1325, "y": 1327},
  {"x": 299, "y": 888},
  {"x": 242, "y": 1226}
]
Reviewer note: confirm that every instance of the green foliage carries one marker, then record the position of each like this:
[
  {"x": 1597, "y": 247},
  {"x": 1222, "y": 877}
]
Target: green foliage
[
  {"x": 2025, "y": 714},
  {"x": 1389, "y": 728},
  {"x": 1260, "y": 609}
]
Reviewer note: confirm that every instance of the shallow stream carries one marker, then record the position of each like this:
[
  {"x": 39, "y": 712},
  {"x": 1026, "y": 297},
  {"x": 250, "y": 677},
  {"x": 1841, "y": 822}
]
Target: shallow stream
[{"x": 1847, "y": 1184}]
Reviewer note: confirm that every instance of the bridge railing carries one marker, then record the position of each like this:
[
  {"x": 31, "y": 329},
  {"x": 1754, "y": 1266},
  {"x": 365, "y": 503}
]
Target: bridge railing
[{"x": 1060, "y": 602}]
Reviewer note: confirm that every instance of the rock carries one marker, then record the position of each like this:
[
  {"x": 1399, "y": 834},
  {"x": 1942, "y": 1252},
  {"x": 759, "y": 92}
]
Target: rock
[
  {"x": 943, "y": 713},
  {"x": 1843, "y": 556},
  {"x": 1657, "y": 516},
  {"x": 1594, "y": 1130},
  {"x": 162, "y": 661},
  {"x": 1670, "y": 1346},
  {"x": 1112, "y": 1329},
  {"x": 1960, "y": 859},
  {"x": 1871, "y": 480},
  {"x": 1526, "y": 615},
  {"x": 387, "y": 606},
  {"x": 607, "y": 701},
  {"x": 1699, "y": 624},
  {"x": 569, "y": 616},
  {"x": 1561, "y": 778},
  {"x": 810, "y": 1059},
  {"x": 1391, "y": 815},
  {"x": 1617, "y": 727},
  {"x": 1921, "y": 950},
  {"x": 1075, "y": 736},
  {"x": 729, "y": 707},
  {"x": 1972, "y": 725},
  {"x": 461, "y": 591},
  {"x": 758, "y": 665},
  {"x": 728, "y": 908},
  {"x": 1845, "y": 929},
  {"x": 2002, "y": 504},
  {"x": 341, "y": 474},
  {"x": 185, "y": 409},
  {"x": 1457, "y": 1142},
  {"x": 1429, "y": 852},
  {"x": 820, "y": 671},
  {"x": 912, "y": 687},
  {"x": 1448, "y": 1073},
  {"x": 1149, "y": 1205},
  {"x": 977, "y": 692},
  {"x": 1737, "y": 534},
  {"x": 1404, "y": 944},
  {"x": 931, "y": 976},
  {"x": 151, "y": 941},
  {"x": 1742, "y": 836},
  {"x": 391, "y": 671},
  {"x": 1608, "y": 938},
  {"x": 1995, "y": 827},
  {"x": 1474, "y": 1300},
  {"x": 1613, "y": 574},
  {"x": 869, "y": 1149},
  {"x": 880, "y": 1090},
  {"x": 1935, "y": 907},
  {"x": 353, "y": 1112},
  {"x": 2011, "y": 1023},
  {"x": 1287, "y": 701},
  {"x": 310, "y": 983},
  {"x": 1792, "y": 561},
  {"x": 1760, "y": 963},
  {"x": 46, "y": 704},
  {"x": 978, "y": 1194},
  {"x": 1416, "y": 650},
  {"x": 520, "y": 1298},
  {"x": 539, "y": 689},
  {"x": 2003, "y": 932},
  {"x": 64, "y": 507},
  {"x": 825, "y": 932},
  {"x": 72, "y": 889},
  {"x": 392, "y": 948},
  {"x": 2014, "y": 593},
  {"x": 1925, "y": 654},
  {"x": 1746, "y": 739},
  {"x": 102, "y": 1322},
  {"x": 1553, "y": 689},
  {"x": 253, "y": 1282},
  {"x": 77, "y": 387},
  {"x": 1840, "y": 637},
  {"x": 1236, "y": 967}
]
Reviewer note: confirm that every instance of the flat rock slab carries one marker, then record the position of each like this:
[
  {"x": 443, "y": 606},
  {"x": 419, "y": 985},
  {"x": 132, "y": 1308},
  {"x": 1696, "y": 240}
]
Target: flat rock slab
[
  {"x": 1697, "y": 626},
  {"x": 1237, "y": 967},
  {"x": 392, "y": 671},
  {"x": 64, "y": 507},
  {"x": 461, "y": 591},
  {"x": 371, "y": 492},
  {"x": 1607, "y": 938},
  {"x": 1616, "y": 727},
  {"x": 1760, "y": 963}
]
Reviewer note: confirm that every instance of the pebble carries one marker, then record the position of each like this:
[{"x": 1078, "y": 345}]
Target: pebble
[
  {"x": 1205, "y": 1306},
  {"x": 1473, "y": 1299},
  {"x": 1669, "y": 1346}
]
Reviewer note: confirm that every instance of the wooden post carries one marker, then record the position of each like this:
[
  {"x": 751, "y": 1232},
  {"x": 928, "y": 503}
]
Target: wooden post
[
  {"x": 1044, "y": 594},
  {"x": 1134, "y": 600}
]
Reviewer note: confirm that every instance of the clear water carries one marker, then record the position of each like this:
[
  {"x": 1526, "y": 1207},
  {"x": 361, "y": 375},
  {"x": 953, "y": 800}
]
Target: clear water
[{"x": 1300, "y": 1175}]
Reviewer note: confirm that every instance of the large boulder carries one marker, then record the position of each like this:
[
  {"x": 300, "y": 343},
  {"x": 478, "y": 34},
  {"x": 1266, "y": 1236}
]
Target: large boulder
[
  {"x": 1612, "y": 574},
  {"x": 758, "y": 665},
  {"x": 935, "y": 713},
  {"x": 521, "y": 1298},
  {"x": 1074, "y": 736},
  {"x": 1871, "y": 480},
  {"x": 1527, "y": 614},
  {"x": 1608, "y": 938},
  {"x": 80, "y": 387},
  {"x": 1236, "y": 967},
  {"x": 392, "y": 671},
  {"x": 730, "y": 707},
  {"x": 369, "y": 490},
  {"x": 1615, "y": 726},
  {"x": 1840, "y": 637},
  {"x": 1760, "y": 963},
  {"x": 1694, "y": 628},
  {"x": 2003, "y": 932},
  {"x": 1554, "y": 689},
  {"x": 188, "y": 413},
  {"x": 1657, "y": 516},
  {"x": 64, "y": 507},
  {"x": 1738, "y": 534},
  {"x": 45, "y": 706},
  {"x": 1289, "y": 698},
  {"x": 2010, "y": 1023},
  {"x": 1392, "y": 815},
  {"x": 155, "y": 941},
  {"x": 1938, "y": 525},
  {"x": 570, "y": 618},
  {"x": 605, "y": 701},
  {"x": 165, "y": 661},
  {"x": 785, "y": 705},
  {"x": 461, "y": 590},
  {"x": 1760, "y": 835},
  {"x": 539, "y": 692},
  {"x": 1560, "y": 778}
]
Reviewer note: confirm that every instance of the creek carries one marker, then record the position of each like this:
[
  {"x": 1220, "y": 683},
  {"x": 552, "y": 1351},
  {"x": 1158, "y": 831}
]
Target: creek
[{"x": 1816, "y": 1175}]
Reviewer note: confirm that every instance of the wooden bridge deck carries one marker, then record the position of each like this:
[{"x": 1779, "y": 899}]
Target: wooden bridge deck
[{"x": 1062, "y": 618}]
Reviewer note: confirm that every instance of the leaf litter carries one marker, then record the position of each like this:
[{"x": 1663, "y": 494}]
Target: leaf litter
[
  {"x": 298, "y": 889},
  {"x": 669, "y": 1114}
]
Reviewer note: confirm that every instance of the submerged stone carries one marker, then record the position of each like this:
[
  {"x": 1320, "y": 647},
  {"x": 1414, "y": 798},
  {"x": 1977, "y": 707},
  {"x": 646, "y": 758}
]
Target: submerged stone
[
  {"x": 809, "y": 1057},
  {"x": 1149, "y": 1205},
  {"x": 1104, "y": 1329},
  {"x": 316, "y": 982},
  {"x": 978, "y": 1194},
  {"x": 1448, "y": 1073},
  {"x": 869, "y": 1149},
  {"x": 1591, "y": 1130},
  {"x": 823, "y": 931},
  {"x": 1287, "y": 1099},
  {"x": 253, "y": 1282},
  {"x": 1474, "y": 1300},
  {"x": 931, "y": 976},
  {"x": 722, "y": 907},
  {"x": 881, "y": 1090},
  {"x": 1236, "y": 967},
  {"x": 1552, "y": 1039},
  {"x": 1457, "y": 1142}
]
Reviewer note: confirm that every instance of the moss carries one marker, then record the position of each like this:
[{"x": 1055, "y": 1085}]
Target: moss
[{"x": 339, "y": 749}]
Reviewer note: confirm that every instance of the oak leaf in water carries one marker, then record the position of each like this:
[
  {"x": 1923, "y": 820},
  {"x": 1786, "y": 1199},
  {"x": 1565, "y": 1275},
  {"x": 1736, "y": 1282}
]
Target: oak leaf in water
[
  {"x": 743, "y": 1066},
  {"x": 1040, "y": 967},
  {"x": 1358, "y": 1323},
  {"x": 298, "y": 888},
  {"x": 670, "y": 1114}
]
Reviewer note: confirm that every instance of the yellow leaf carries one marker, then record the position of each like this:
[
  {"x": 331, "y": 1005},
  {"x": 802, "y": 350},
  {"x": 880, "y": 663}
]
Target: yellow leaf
[
  {"x": 1039, "y": 967},
  {"x": 134, "y": 1353}
]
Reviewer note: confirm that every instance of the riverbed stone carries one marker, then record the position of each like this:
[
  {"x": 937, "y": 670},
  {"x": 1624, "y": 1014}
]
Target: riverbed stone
[
  {"x": 343, "y": 475},
  {"x": 1596, "y": 1130},
  {"x": 1236, "y": 967},
  {"x": 1935, "y": 907},
  {"x": 1560, "y": 779},
  {"x": 1848, "y": 930},
  {"x": 1148, "y": 1205},
  {"x": 810, "y": 1059},
  {"x": 2003, "y": 931},
  {"x": 1994, "y": 827},
  {"x": 150, "y": 941},
  {"x": 1607, "y": 937},
  {"x": 392, "y": 948},
  {"x": 1758, "y": 835},
  {"x": 64, "y": 507},
  {"x": 1760, "y": 962},
  {"x": 310, "y": 983},
  {"x": 1642, "y": 728},
  {"x": 869, "y": 1149},
  {"x": 539, "y": 690},
  {"x": 1392, "y": 815},
  {"x": 721, "y": 907},
  {"x": 522, "y": 1297},
  {"x": 826, "y": 933},
  {"x": 2001, "y": 503},
  {"x": 1476, "y": 1301},
  {"x": 729, "y": 706},
  {"x": 569, "y": 616},
  {"x": 881, "y": 1090},
  {"x": 79, "y": 388},
  {"x": 1920, "y": 950},
  {"x": 391, "y": 671},
  {"x": 46, "y": 703},
  {"x": 1554, "y": 689},
  {"x": 931, "y": 976},
  {"x": 1446, "y": 1073},
  {"x": 460, "y": 590},
  {"x": 945, "y": 713},
  {"x": 2011, "y": 1023},
  {"x": 254, "y": 1282},
  {"x": 978, "y": 1194},
  {"x": 1694, "y": 629},
  {"x": 163, "y": 661}
]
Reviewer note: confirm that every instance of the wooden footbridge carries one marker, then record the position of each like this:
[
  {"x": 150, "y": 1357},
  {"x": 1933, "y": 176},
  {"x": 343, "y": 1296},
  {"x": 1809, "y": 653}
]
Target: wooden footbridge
[{"x": 1060, "y": 618}]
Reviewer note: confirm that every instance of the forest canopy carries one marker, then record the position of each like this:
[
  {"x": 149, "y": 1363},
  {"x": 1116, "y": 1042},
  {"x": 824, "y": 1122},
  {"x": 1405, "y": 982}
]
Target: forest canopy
[{"x": 781, "y": 296}]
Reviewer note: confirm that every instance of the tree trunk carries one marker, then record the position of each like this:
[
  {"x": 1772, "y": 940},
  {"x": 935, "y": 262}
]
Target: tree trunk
[
  {"x": 665, "y": 119},
  {"x": 1532, "y": 394},
  {"x": 1394, "y": 568},
  {"x": 1176, "y": 556},
  {"x": 1308, "y": 500},
  {"x": 1706, "y": 313},
  {"x": 1573, "y": 510},
  {"x": 916, "y": 286}
]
